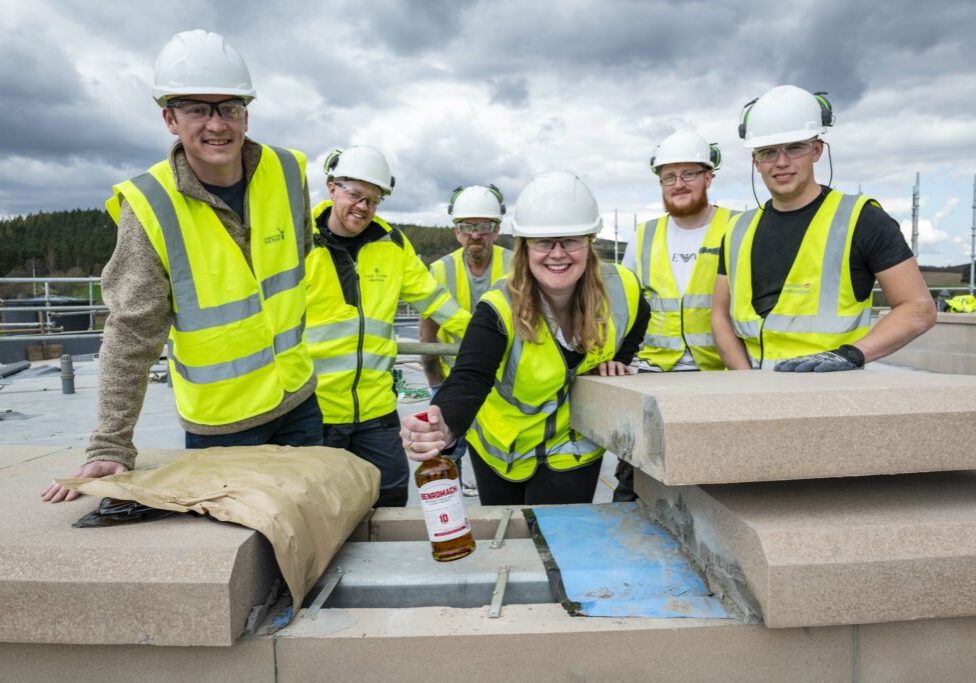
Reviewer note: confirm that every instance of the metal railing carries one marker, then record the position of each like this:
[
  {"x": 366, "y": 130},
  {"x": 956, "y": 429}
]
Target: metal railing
[{"x": 47, "y": 323}]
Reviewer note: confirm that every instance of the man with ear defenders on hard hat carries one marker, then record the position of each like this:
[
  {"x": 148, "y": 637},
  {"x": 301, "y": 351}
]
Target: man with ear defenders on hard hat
[
  {"x": 466, "y": 273},
  {"x": 359, "y": 268},
  {"x": 795, "y": 276},
  {"x": 675, "y": 258},
  {"x": 210, "y": 256}
]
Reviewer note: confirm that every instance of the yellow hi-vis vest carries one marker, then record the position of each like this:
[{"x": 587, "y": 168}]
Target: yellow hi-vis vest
[
  {"x": 817, "y": 309},
  {"x": 453, "y": 273},
  {"x": 525, "y": 417},
  {"x": 354, "y": 346},
  {"x": 679, "y": 321},
  {"x": 235, "y": 346}
]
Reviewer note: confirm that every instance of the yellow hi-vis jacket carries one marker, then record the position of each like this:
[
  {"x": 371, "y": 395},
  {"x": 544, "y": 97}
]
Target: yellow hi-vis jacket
[
  {"x": 235, "y": 346},
  {"x": 453, "y": 273},
  {"x": 525, "y": 417},
  {"x": 817, "y": 309},
  {"x": 679, "y": 321},
  {"x": 352, "y": 339}
]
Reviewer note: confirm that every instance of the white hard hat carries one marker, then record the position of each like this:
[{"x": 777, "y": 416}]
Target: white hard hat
[
  {"x": 686, "y": 146},
  {"x": 198, "y": 62},
  {"x": 556, "y": 204},
  {"x": 476, "y": 201},
  {"x": 785, "y": 114},
  {"x": 360, "y": 162}
]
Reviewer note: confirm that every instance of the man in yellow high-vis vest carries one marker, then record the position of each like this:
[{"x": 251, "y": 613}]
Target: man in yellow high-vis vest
[
  {"x": 359, "y": 268},
  {"x": 210, "y": 261},
  {"x": 675, "y": 258},
  {"x": 795, "y": 277},
  {"x": 466, "y": 273}
]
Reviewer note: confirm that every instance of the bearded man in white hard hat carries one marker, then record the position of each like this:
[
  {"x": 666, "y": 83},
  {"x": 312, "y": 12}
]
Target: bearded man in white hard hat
[
  {"x": 675, "y": 258},
  {"x": 795, "y": 277},
  {"x": 359, "y": 268},
  {"x": 467, "y": 273},
  {"x": 209, "y": 260}
]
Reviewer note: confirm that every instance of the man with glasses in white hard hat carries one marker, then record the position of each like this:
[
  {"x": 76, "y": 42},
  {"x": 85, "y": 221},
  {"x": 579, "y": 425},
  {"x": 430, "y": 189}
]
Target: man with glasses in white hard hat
[
  {"x": 795, "y": 278},
  {"x": 359, "y": 268},
  {"x": 210, "y": 255},
  {"x": 675, "y": 258},
  {"x": 466, "y": 273}
]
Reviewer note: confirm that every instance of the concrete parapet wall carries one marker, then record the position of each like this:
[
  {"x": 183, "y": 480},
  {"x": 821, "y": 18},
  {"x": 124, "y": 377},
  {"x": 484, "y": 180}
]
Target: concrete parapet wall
[{"x": 949, "y": 347}]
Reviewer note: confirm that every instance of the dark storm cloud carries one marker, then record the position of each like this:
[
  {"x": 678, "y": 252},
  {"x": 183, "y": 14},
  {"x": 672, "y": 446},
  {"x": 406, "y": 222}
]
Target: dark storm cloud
[{"x": 512, "y": 92}]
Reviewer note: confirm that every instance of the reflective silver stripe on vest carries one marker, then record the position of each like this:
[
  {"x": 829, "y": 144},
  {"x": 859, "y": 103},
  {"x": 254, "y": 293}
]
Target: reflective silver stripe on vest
[
  {"x": 645, "y": 262},
  {"x": 232, "y": 369},
  {"x": 698, "y": 300},
  {"x": 287, "y": 279},
  {"x": 816, "y": 324},
  {"x": 578, "y": 447},
  {"x": 746, "y": 328},
  {"x": 663, "y": 305},
  {"x": 347, "y": 363},
  {"x": 348, "y": 328},
  {"x": 450, "y": 275},
  {"x": 661, "y": 342},
  {"x": 619, "y": 306},
  {"x": 700, "y": 339},
  {"x": 289, "y": 339},
  {"x": 735, "y": 243}
]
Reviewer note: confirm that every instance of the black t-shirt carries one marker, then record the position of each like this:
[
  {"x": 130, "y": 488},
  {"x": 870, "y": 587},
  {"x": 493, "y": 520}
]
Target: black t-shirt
[
  {"x": 877, "y": 245},
  {"x": 231, "y": 195},
  {"x": 481, "y": 352}
]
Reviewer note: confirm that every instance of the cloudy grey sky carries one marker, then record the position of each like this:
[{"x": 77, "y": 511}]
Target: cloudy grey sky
[{"x": 494, "y": 91}]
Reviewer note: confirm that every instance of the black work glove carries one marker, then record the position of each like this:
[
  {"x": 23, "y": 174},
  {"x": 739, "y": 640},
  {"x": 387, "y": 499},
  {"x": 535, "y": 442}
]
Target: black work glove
[{"x": 846, "y": 357}]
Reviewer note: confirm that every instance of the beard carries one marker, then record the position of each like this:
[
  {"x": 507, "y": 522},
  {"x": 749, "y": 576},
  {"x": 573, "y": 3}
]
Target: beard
[{"x": 697, "y": 205}]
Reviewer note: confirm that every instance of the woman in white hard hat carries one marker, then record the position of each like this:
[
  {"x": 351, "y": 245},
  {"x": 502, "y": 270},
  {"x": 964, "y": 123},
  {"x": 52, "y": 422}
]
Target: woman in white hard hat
[{"x": 560, "y": 313}]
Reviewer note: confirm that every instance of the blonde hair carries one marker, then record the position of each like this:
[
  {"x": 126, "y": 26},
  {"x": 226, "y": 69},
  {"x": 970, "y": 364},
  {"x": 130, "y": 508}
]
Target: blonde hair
[{"x": 588, "y": 307}]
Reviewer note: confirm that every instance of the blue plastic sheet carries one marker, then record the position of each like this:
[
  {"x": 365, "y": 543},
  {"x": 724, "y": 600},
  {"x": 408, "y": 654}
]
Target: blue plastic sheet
[{"x": 611, "y": 561}]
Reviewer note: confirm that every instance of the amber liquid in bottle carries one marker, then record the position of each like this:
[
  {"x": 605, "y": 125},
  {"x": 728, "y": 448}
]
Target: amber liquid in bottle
[{"x": 443, "y": 504}]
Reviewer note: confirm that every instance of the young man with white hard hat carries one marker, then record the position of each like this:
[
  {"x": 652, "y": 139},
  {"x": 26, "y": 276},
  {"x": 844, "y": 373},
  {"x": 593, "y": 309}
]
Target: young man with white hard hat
[
  {"x": 795, "y": 278},
  {"x": 210, "y": 256},
  {"x": 675, "y": 258},
  {"x": 466, "y": 273},
  {"x": 359, "y": 268},
  {"x": 560, "y": 313}
]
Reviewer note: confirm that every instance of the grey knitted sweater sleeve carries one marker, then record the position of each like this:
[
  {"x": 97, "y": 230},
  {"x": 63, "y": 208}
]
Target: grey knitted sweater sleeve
[{"x": 136, "y": 289}]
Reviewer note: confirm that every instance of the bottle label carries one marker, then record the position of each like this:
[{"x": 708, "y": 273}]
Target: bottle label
[{"x": 444, "y": 510}]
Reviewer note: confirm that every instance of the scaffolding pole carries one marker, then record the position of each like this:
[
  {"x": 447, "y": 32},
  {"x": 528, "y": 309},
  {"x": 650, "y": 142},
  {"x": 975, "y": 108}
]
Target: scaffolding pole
[
  {"x": 915, "y": 215},
  {"x": 972, "y": 248}
]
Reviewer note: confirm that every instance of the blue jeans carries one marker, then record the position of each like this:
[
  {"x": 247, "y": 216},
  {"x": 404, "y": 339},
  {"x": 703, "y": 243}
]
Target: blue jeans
[
  {"x": 300, "y": 426},
  {"x": 376, "y": 441}
]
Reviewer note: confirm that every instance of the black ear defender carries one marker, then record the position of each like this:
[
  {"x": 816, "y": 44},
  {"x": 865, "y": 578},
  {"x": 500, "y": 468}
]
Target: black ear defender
[
  {"x": 454, "y": 195},
  {"x": 714, "y": 155},
  {"x": 498, "y": 195},
  {"x": 744, "y": 118},
  {"x": 827, "y": 117},
  {"x": 331, "y": 161}
]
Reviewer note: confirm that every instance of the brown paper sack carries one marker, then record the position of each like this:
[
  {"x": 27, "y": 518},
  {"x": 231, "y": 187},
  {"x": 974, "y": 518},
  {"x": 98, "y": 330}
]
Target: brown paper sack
[{"x": 305, "y": 501}]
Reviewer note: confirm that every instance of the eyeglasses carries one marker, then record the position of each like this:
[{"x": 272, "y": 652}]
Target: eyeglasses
[
  {"x": 545, "y": 245},
  {"x": 198, "y": 110},
  {"x": 371, "y": 202},
  {"x": 794, "y": 150},
  {"x": 686, "y": 176},
  {"x": 484, "y": 227}
]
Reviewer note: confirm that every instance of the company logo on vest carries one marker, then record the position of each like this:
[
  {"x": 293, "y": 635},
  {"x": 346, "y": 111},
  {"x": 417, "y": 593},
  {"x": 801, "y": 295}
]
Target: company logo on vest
[
  {"x": 279, "y": 236},
  {"x": 376, "y": 276},
  {"x": 798, "y": 288}
]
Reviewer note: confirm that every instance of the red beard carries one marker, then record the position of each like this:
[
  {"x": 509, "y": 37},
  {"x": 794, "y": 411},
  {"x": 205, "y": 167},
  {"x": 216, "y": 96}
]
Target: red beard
[{"x": 699, "y": 204}]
